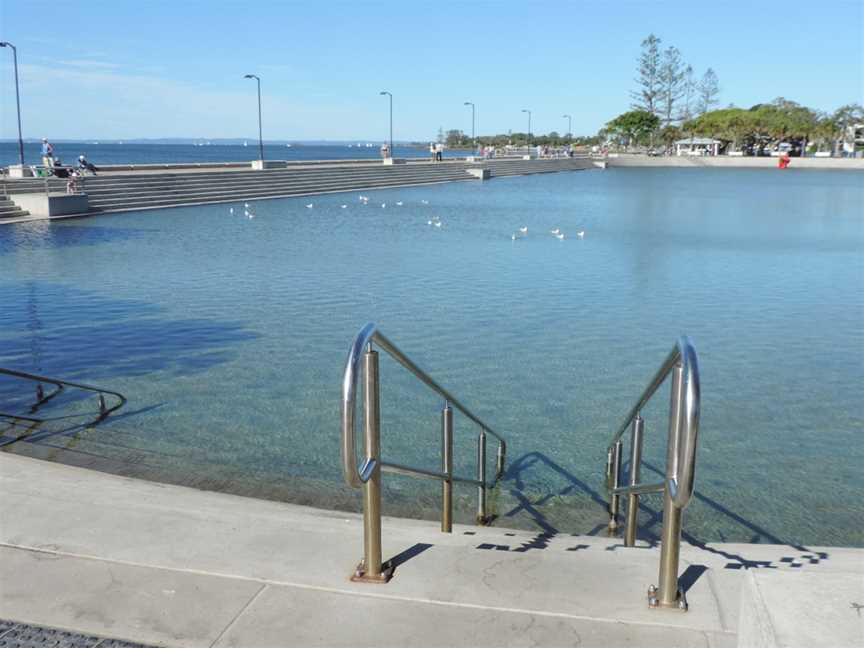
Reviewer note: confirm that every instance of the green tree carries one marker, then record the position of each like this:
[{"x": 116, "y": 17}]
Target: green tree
[
  {"x": 647, "y": 96},
  {"x": 634, "y": 126},
  {"x": 709, "y": 91},
  {"x": 673, "y": 79}
]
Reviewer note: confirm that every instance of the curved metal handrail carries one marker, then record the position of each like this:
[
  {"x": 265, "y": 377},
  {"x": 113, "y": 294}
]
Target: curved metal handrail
[
  {"x": 681, "y": 481},
  {"x": 61, "y": 384},
  {"x": 354, "y": 476}
]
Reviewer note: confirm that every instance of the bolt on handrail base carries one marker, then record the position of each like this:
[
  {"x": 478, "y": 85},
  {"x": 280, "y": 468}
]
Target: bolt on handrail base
[
  {"x": 678, "y": 603},
  {"x": 360, "y": 574}
]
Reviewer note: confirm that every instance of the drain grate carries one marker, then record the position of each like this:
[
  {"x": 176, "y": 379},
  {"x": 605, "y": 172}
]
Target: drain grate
[{"x": 24, "y": 635}]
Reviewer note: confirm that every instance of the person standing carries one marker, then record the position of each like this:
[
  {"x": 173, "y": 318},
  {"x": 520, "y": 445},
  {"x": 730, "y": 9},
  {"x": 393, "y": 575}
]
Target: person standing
[{"x": 47, "y": 153}]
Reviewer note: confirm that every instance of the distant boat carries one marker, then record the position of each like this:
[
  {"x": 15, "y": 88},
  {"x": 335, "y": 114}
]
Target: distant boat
[
  {"x": 245, "y": 143},
  {"x": 288, "y": 145}
]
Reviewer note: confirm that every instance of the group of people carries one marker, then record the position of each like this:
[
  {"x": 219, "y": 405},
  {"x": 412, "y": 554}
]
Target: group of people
[
  {"x": 436, "y": 151},
  {"x": 73, "y": 175},
  {"x": 52, "y": 162}
]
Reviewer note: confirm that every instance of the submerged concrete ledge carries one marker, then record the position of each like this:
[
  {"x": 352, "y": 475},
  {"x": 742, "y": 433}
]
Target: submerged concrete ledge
[{"x": 102, "y": 555}]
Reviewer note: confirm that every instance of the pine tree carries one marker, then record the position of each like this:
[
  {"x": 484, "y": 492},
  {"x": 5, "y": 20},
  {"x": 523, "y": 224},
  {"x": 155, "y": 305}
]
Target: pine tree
[
  {"x": 708, "y": 90},
  {"x": 673, "y": 77},
  {"x": 647, "y": 96}
]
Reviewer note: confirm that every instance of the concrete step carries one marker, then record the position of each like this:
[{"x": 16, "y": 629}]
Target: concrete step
[{"x": 173, "y": 566}]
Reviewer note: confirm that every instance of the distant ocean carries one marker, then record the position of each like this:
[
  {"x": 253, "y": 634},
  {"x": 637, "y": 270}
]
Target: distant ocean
[{"x": 168, "y": 153}]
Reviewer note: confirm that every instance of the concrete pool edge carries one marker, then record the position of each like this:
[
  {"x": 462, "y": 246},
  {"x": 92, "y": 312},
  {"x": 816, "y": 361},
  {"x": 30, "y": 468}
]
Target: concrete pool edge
[{"x": 97, "y": 553}]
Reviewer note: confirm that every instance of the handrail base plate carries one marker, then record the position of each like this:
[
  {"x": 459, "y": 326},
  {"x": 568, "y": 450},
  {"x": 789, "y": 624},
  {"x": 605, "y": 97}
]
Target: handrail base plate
[
  {"x": 679, "y": 604},
  {"x": 360, "y": 575}
]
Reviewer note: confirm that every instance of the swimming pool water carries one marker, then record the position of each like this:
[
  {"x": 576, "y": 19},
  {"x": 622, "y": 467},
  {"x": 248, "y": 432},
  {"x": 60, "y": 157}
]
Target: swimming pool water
[{"x": 229, "y": 335}]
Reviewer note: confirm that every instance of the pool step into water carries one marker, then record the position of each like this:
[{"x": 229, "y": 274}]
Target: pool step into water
[
  {"x": 135, "y": 191},
  {"x": 9, "y": 209}
]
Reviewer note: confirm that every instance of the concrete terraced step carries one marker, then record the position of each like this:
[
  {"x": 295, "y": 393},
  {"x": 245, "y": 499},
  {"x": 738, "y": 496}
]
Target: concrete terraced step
[{"x": 136, "y": 191}]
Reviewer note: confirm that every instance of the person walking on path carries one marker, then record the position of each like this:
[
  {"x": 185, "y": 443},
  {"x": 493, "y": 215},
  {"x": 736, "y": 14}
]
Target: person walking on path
[{"x": 47, "y": 153}]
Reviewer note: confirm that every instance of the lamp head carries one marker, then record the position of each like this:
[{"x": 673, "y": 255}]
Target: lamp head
[
  {"x": 526, "y": 110},
  {"x": 384, "y": 92},
  {"x": 250, "y": 76},
  {"x": 3, "y": 43}
]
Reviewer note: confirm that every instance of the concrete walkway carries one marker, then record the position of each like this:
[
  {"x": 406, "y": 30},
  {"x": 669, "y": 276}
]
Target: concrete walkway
[{"x": 109, "y": 556}]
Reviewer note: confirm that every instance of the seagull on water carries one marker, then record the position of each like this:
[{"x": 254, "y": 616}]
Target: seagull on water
[
  {"x": 231, "y": 210},
  {"x": 310, "y": 205},
  {"x": 344, "y": 206},
  {"x": 425, "y": 202},
  {"x": 383, "y": 205},
  {"x": 555, "y": 231},
  {"x": 399, "y": 204},
  {"x": 246, "y": 205},
  {"x": 514, "y": 236},
  {"x": 581, "y": 234},
  {"x": 560, "y": 236},
  {"x": 523, "y": 230}
]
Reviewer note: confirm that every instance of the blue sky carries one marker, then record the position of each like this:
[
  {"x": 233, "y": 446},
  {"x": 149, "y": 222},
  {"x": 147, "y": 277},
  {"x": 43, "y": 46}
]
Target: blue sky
[{"x": 150, "y": 68}]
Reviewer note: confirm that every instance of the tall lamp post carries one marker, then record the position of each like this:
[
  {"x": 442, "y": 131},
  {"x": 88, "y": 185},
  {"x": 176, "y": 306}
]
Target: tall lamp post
[
  {"x": 473, "y": 143},
  {"x": 569, "y": 125},
  {"x": 384, "y": 92},
  {"x": 525, "y": 110},
  {"x": 17, "y": 101},
  {"x": 260, "y": 132}
]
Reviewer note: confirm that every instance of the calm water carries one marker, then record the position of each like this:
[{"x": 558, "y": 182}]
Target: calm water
[
  {"x": 229, "y": 336},
  {"x": 68, "y": 152}
]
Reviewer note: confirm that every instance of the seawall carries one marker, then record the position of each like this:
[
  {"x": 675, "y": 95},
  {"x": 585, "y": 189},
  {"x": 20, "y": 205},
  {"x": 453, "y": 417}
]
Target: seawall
[{"x": 724, "y": 161}]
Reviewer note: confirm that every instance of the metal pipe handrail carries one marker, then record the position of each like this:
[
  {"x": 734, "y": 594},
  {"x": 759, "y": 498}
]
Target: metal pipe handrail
[
  {"x": 682, "y": 480},
  {"x": 60, "y": 384},
  {"x": 677, "y": 487},
  {"x": 354, "y": 476},
  {"x": 368, "y": 476}
]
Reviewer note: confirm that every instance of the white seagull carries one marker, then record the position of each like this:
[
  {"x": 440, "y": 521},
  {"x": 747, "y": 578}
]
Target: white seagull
[
  {"x": 581, "y": 234},
  {"x": 425, "y": 202},
  {"x": 383, "y": 205},
  {"x": 555, "y": 231},
  {"x": 437, "y": 223},
  {"x": 560, "y": 236},
  {"x": 246, "y": 205},
  {"x": 344, "y": 206},
  {"x": 231, "y": 210},
  {"x": 310, "y": 205},
  {"x": 513, "y": 237},
  {"x": 524, "y": 230},
  {"x": 399, "y": 204}
]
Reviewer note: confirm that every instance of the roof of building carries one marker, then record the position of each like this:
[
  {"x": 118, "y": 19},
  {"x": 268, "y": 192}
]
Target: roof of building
[{"x": 698, "y": 140}]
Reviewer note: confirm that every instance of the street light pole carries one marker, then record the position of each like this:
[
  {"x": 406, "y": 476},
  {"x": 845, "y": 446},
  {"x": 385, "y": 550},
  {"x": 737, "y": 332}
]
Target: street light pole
[
  {"x": 473, "y": 142},
  {"x": 569, "y": 125},
  {"x": 17, "y": 101},
  {"x": 260, "y": 132},
  {"x": 525, "y": 110},
  {"x": 384, "y": 92}
]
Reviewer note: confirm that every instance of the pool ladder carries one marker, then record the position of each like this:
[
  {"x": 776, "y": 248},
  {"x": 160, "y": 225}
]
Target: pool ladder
[
  {"x": 677, "y": 487},
  {"x": 368, "y": 475},
  {"x": 58, "y": 385}
]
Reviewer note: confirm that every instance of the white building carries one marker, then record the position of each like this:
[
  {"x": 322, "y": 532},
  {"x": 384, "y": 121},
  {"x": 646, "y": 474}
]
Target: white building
[{"x": 698, "y": 146}]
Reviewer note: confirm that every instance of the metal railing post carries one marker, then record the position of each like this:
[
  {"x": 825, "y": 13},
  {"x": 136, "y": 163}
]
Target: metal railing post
[
  {"x": 614, "y": 500},
  {"x": 633, "y": 498},
  {"x": 370, "y": 569},
  {"x": 667, "y": 593},
  {"x": 481, "y": 477},
  {"x": 447, "y": 468}
]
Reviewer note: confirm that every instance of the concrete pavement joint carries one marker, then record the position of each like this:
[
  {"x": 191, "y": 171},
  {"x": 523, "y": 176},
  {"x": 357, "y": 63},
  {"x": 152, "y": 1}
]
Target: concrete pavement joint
[
  {"x": 238, "y": 615},
  {"x": 347, "y": 592}
]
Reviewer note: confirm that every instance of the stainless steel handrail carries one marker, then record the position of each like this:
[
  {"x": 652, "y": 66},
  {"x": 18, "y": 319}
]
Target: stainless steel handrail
[
  {"x": 42, "y": 398},
  {"x": 677, "y": 487},
  {"x": 367, "y": 474},
  {"x": 354, "y": 476},
  {"x": 681, "y": 481}
]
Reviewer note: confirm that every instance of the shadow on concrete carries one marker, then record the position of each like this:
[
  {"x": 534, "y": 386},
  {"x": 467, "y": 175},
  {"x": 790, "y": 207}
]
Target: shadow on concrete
[
  {"x": 405, "y": 556},
  {"x": 690, "y": 576}
]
